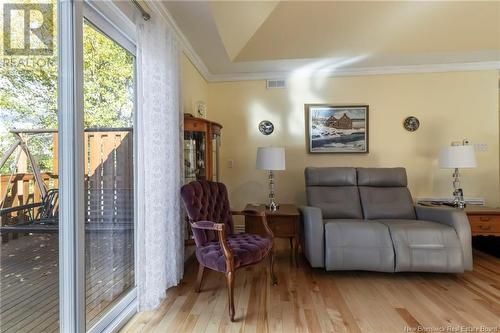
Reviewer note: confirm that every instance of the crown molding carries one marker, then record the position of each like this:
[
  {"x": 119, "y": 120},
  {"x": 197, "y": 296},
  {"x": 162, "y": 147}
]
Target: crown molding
[
  {"x": 382, "y": 70},
  {"x": 186, "y": 45}
]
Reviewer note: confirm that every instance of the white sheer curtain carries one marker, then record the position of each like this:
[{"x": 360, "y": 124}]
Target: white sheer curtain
[{"x": 160, "y": 233}]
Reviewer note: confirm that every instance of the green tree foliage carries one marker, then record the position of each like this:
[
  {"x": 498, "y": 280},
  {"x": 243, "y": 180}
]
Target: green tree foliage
[
  {"x": 28, "y": 92},
  {"x": 108, "y": 81}
]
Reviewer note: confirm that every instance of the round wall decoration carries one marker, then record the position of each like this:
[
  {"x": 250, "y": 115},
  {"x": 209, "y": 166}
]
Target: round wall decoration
[
  {"x": 411, "y": 124},
  {"x": 266, "y": 127}
]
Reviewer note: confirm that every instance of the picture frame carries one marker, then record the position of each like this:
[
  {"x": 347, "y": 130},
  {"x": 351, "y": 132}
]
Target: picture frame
[{"x": 337, "y": 129}]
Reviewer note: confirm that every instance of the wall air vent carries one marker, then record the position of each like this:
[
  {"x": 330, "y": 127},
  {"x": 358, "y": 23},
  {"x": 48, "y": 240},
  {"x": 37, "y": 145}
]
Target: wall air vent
[{"x": 275, "y": 84}]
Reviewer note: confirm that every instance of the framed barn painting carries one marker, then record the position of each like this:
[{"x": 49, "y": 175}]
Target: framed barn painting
[{"x": 337, "y": 129}]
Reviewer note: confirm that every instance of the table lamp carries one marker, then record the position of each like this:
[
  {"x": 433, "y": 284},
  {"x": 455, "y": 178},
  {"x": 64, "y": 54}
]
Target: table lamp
[
  {"x": 457, "y": 156},
  {"x": 271, "y": 159}
]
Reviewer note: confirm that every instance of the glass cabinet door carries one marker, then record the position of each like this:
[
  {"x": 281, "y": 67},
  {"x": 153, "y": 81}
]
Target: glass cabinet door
[
  {"x": 215, "y": 156},
  {"x": 194, "y": 156}
]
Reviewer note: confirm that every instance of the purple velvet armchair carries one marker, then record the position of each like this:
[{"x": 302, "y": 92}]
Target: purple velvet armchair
[{"x": 217, "y": 246}]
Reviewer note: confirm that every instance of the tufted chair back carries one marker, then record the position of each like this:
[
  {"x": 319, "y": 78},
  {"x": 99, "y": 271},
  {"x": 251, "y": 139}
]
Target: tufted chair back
[{"x": 207, "y": 201}]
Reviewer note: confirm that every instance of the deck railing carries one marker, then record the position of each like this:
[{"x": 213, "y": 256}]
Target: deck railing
[
  {"x": 22, "y": 190},
  {"x": 108, "y": 179}
]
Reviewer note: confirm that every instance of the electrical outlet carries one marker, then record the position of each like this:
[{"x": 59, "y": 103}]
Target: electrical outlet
[
  {"x": 230, "y": 164},
  {"x": 481, "y": 147}
]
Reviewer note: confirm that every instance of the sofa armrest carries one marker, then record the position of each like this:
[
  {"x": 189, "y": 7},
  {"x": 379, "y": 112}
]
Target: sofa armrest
[
  {"x": 455, "y": 218},
  {"x": 314, "y": 235}
]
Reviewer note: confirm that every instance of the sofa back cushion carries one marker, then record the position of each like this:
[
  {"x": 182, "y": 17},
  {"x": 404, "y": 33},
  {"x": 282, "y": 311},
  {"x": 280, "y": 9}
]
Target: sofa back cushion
[
  {"x": 334, "y": 191},
  {"x": 384, "y": 194}
]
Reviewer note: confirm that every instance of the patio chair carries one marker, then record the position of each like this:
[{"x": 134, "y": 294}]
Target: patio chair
[{"x": 217, "y": 246}]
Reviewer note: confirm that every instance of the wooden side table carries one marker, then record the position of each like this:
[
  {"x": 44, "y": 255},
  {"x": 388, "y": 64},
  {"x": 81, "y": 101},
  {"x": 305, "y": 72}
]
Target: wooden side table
[
  {"x": 484, "y": 221},
  {"x": 284, "y": 223}
]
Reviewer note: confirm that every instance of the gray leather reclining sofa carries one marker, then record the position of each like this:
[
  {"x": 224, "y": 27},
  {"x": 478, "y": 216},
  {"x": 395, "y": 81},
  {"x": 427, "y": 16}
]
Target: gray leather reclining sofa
[{"x": 365, "y": 219}]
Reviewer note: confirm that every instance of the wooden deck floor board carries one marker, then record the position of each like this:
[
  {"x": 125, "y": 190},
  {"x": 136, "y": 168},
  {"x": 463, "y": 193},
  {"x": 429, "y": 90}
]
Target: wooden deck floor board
[{"x": 29, "y": 275}]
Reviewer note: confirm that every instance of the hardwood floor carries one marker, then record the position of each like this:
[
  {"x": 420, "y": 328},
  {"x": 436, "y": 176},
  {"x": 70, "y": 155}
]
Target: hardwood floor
[{"x": 312, "y": 300}]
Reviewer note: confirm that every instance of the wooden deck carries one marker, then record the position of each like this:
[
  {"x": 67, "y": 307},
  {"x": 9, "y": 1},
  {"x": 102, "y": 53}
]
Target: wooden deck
[
  {"x": 312, "y": 300},
  {"x": 29, "y": 278}
]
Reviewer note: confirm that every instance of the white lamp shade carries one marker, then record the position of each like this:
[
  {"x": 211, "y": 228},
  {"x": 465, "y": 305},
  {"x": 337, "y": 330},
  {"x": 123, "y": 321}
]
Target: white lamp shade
[
  {"x": 457, "y": 157},
  {"x": 271, "y": 158}
]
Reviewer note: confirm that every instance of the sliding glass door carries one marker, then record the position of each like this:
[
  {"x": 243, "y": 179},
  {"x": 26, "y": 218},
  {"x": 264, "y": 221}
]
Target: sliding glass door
[
  {"x": 109, "y": 91},
  {"x": 29, "y": 172},
  {"x": 97, "y": 102},
  {"x": 67, "y": 173}
]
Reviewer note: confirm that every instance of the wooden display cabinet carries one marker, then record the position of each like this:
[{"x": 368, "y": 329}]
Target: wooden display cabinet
[{"x": 201, "y": 149}]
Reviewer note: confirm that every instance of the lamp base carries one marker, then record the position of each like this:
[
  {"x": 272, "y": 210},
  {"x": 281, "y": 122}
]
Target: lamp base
[
  {"x": 458, "y": 198},
  {"x": 458, "y": 193},
  {"x": 273, "y": 206}
]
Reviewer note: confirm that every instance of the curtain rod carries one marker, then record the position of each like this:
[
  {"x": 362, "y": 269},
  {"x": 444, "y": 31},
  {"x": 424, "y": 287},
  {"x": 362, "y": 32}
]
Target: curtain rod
[{"x": 145, "y": 14}]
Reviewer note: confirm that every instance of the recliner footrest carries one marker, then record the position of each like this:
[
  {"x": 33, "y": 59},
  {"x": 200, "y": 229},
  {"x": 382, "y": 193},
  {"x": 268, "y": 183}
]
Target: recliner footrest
[{"x": 358, "y": 245}]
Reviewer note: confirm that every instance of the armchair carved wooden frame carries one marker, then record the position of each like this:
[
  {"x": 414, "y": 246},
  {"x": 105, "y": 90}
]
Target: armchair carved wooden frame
[{"x": 217, "y": 246}]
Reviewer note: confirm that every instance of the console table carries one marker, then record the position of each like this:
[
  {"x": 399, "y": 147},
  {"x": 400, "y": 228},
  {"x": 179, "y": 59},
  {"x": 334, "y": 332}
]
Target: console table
[
  {"x": 484, "y": 221},
  {"x": 284, "y": 223}
]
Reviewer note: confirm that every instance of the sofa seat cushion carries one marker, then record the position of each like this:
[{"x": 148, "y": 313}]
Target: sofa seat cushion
[
  {"x": 425, "y": 246},
  {"x": 247, "y": 249},
  {"x": 358, "y": 245}
]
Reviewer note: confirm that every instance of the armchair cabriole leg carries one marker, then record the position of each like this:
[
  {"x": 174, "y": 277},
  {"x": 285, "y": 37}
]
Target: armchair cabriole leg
[
  {"x": 230, "y": 293},
  {"x": 229, "y": 271},
  {"x": 199, "y": 279}
]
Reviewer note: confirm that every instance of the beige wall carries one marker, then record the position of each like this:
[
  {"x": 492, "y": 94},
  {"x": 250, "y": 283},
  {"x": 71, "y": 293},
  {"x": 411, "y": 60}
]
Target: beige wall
[
  {"x": 193, "y": 86},
  {"x": 450, "y": 106}
]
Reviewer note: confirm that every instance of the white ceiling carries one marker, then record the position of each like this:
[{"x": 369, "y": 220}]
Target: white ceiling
[{"x": 271, "y": 39}]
